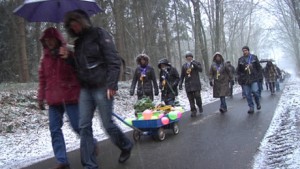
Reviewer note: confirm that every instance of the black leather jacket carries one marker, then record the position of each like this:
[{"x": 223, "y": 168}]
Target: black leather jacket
[{"x": 96, "y": 59}]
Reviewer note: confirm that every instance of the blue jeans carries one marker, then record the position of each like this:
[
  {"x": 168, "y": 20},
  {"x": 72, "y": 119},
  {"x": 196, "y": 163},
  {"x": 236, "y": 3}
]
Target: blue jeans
[
  {"x": 90, "y": 99},
  {"x": 249, "y": 90},
  {"x": 223, "y": 102},
  {"x": 243, "y": 92},
  {"x": 56, "y": 114}
]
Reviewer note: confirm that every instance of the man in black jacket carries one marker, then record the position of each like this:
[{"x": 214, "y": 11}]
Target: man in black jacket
[
  {"x": 190, "y": 75},
  {"x": 98, "y": 67},
  {"x": 248, "y": 71}
]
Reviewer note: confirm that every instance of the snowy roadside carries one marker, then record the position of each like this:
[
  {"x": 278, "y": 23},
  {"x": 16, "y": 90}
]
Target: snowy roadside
[
  {"x": 280, "y": 147},
  {"x": 26, "y": 139}
]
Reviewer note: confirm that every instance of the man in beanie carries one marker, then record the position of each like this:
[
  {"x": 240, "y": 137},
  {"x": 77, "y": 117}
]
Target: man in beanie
[
  {"x": 98, "y": 67},
  {"x": 190, "y": 75},
  {"x": 248, "y": 71}
]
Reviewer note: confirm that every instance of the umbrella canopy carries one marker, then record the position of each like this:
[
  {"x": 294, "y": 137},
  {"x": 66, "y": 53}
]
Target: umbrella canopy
[{"x": 54, "y": 10}]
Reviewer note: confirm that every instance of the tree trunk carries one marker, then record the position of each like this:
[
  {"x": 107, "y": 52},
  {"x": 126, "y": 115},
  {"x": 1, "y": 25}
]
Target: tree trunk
[
  {"x": 178, "y": 33},
  {"x": 24, "y": 71}
]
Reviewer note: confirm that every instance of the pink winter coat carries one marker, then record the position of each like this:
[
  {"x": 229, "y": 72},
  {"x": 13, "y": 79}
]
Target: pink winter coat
[{"x": 58, "y": 83}]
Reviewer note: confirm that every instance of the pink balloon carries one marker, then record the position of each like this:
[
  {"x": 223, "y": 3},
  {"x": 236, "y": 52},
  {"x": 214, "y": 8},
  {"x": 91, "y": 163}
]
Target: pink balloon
[
  {"x": 179, "y": 115},
  {"x": 147, "y": 114},
  {"x": 165, "y": 120},
  {"x": 160, "y": 115}
]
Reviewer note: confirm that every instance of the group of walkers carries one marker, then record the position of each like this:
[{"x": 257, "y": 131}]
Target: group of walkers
[
  {"x": 82, "y": 80},
  {"x": 169, "y": 81},
  {"x": 272, "y": 75}
]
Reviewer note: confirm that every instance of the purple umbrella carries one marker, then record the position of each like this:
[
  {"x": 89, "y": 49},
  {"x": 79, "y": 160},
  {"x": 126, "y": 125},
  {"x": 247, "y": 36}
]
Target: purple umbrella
[{"x": 54, "y": 10}]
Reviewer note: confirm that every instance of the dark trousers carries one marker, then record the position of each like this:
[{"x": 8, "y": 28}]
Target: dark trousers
[
  {"x": 272, "y": 87},
  {"x": 192, "y": 96},
  {"x": 231, "y": 87}
]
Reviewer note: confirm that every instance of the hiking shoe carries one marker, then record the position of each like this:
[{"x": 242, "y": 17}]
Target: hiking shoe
[
  {"x": 62, "y": 166},
  {"x": 222, "y": 110},
  {"x": 193, "y": 114},
  {"x": 258, "y": 106},
  {"x": 251, "y": 111},
  {"x": 200, "y": 110},
  {"x": 125, "y": 154}
]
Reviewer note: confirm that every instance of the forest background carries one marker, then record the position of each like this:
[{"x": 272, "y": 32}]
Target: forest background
[{"x": 165, "y": 29}]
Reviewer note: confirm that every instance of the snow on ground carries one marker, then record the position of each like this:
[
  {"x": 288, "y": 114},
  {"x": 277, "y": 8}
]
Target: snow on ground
[
  {"x": 24, "y": 132},
  {"x": 280, "y": 147},
  {"x": 25, "y": 136}
]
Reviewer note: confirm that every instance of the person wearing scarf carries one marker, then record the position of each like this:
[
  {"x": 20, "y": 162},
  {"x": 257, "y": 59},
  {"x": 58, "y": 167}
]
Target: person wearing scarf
[{"x": 248, "y": 71}]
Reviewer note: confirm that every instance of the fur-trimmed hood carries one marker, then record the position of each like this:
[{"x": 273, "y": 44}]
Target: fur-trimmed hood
[
  {"x": 142, "y": 56},
  {"x": 78, "y": 16}
]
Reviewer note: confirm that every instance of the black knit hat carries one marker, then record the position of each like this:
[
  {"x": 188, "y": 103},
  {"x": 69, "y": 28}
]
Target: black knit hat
[{"x": 246, "y": 47}]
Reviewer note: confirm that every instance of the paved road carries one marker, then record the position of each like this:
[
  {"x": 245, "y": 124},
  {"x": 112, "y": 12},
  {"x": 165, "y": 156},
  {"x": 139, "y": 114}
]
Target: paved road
[{"x": 209, "y": 141}]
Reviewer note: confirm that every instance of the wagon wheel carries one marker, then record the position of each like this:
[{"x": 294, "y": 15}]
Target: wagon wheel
[
  {"x": 175, "y": 128},
  {"x": 136, "y": 135},
  {"x": 161, "y": 135}
]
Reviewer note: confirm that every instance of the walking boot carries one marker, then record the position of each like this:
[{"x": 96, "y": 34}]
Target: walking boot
[
  {"x": 258, "y": 106},
  {"x": 201, "y": 109},
  {"x": 62, "y": 166},
  {"x": 125, "y": 154},
  {"x": 251, "y": 110},
  {"x": 193, "y": 114},
  {"x": 222, "y": 110}
]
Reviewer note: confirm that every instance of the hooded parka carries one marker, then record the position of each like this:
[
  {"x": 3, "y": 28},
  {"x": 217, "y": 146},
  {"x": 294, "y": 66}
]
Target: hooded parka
[
  {"x": 144, "y": 77},
  {"x": 58, "y": 83},
  {"x": 220, "y": 76},
  {"x": 168, "y": 80}
]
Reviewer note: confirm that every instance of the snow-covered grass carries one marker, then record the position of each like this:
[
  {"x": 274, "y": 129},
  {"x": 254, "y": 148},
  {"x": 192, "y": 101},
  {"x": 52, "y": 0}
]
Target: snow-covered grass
[
  {"x": 25, "y": 136},
  {"x": 24, "y": 131},
  {"x": 280, "y": 147}
]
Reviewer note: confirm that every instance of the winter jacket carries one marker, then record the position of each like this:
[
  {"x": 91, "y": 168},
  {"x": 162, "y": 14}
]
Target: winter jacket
[
  {"x": 58, "y": 83},
  {"x": 145, "y": 79},
  {"x": 168, "y": 82},
  {"x": 232, "y": 72},
  {"x": 270, "y": 72},
  {"x": 96, "y": 59},
  {"x": 248, "y": 69},
  {"x": 190, "y": 75},
  {"x": 220, "y": 76}
]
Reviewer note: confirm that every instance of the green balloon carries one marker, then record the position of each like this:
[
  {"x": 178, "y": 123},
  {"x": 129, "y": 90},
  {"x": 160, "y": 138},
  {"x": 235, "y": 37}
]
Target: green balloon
[
  {"x": 172, "y": 115},
  {"x": 154, "y": 117},
  {"x": 128, "y": 121}
]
